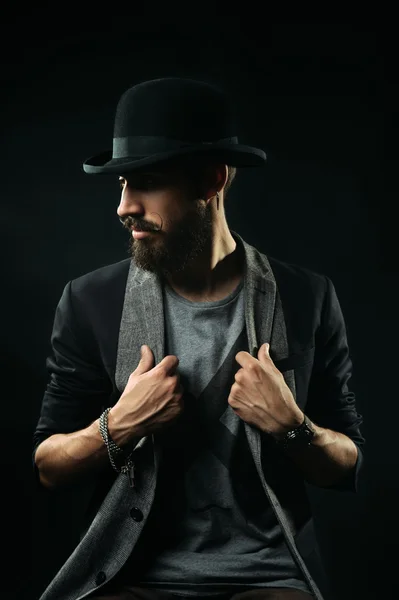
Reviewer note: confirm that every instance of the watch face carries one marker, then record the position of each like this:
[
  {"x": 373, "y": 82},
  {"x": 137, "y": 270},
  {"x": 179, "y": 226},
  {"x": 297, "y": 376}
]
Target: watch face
[
  {"x": 301, "y": 438},
  {"x": 298, "y": 438}
]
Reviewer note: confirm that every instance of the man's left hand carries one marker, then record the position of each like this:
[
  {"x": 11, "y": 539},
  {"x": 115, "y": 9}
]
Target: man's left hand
[{"x": 260, "y": 395}]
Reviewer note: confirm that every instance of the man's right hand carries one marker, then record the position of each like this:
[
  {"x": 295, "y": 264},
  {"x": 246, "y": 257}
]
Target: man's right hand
[{"x": 151, "y": 400}]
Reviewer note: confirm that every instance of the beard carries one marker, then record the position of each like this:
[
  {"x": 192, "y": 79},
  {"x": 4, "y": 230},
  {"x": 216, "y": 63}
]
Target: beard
[{"x": 185, "y": 241}]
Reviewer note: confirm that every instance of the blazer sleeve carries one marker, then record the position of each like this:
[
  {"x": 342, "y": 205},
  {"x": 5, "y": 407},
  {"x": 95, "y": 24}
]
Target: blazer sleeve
[
  {"x": 78, "y": 385},
  {"x": 331, "y": 404}
]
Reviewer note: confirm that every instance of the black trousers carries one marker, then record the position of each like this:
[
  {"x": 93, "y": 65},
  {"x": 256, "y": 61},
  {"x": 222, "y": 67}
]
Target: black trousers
[{"x": 140, "y": 593}]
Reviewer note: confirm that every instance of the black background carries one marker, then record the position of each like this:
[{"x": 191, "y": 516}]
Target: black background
[{"x": 315, "y": 97}]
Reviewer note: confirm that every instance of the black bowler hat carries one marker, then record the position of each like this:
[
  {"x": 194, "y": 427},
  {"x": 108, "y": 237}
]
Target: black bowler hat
[{"x": 168, "y": 118}]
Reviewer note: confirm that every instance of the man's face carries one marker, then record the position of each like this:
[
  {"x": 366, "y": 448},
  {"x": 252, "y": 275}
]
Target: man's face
[{"x": 165, "y": 199}]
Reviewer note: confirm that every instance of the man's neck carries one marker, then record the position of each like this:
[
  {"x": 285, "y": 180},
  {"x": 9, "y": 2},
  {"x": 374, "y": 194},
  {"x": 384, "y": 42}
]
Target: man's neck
[{"x": 226, "y": 277}]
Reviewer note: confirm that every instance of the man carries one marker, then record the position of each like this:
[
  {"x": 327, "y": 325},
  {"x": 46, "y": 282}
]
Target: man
[{"x": 198, "y": 385}]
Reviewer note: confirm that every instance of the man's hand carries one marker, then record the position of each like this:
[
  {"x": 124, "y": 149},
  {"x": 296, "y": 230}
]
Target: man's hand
[{"x": 260, "y": 395}]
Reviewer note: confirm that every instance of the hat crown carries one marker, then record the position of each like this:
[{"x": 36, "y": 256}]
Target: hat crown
[{"x": 174, "y": 108}]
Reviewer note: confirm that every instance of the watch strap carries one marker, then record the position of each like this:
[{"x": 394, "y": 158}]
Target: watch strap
[{"x": 300, "y": 436}]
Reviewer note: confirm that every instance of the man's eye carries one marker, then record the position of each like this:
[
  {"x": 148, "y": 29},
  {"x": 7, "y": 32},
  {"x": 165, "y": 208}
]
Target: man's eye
[
  {"x": 141, "y": 183},
  {"x": 145, "y": 182}
]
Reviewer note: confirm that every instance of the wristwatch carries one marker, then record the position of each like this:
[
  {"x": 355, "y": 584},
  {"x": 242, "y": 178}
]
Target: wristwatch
[{"x": 297, "y": 438}]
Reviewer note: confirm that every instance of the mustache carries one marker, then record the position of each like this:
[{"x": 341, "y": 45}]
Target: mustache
[{"x": 129, "y": 222}]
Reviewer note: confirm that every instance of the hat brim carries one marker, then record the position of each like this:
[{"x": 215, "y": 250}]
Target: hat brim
[{"x": 236, "y": 155}]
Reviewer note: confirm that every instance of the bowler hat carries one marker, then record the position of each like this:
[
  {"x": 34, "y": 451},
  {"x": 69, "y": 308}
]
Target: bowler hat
[{"x": 172, "y": 117}]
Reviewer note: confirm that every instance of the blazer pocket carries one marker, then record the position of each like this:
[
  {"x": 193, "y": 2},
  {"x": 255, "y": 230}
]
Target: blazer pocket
[{"x": 295, "y": 361}]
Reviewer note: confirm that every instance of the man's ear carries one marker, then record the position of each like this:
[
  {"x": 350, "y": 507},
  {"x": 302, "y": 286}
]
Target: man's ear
[{"x": 216, "y": 176}]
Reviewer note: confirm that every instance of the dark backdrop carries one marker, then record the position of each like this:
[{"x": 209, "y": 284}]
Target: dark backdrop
[{"x": 311, "y": 96}]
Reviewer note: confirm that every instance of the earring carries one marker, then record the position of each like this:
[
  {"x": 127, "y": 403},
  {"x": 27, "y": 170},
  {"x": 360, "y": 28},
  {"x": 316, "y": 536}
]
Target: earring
[{"x": 217, "y": 200}]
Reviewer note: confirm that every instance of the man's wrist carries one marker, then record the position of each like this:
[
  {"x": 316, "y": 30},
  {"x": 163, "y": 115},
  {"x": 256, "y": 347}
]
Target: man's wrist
[
  {"x": 115, "y": 429},
  {"x": 125, "y": 440},
  {"x": 296, "y": 422}
]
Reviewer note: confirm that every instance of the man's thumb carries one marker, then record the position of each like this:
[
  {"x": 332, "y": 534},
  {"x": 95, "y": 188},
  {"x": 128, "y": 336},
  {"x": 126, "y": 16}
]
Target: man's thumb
[
  {"x": 147, "y": 360},
  {"x": 263, "y": 351}
]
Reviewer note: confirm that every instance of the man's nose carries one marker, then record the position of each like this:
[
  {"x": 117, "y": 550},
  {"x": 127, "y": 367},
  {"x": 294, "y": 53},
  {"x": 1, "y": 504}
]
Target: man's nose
[{"x": 130, "y": 204}]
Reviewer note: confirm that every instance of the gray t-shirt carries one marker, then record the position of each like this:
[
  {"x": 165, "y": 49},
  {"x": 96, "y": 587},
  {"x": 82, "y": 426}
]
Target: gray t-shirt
[{"x": 211, "y": 529}]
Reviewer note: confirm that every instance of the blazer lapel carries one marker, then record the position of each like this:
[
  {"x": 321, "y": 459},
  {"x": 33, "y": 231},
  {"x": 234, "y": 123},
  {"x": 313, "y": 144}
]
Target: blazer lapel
[
  {"x": 265, "y": 322},
  {"x": 142, "y": 322}
]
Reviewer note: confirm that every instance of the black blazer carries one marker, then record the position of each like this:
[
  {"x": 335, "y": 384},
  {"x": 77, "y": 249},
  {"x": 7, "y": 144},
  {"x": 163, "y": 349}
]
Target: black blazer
[{"x": 84, "y": 372}]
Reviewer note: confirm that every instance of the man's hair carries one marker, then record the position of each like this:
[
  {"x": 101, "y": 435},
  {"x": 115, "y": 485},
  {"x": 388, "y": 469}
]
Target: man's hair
[
  {"x": 232, "y": 171},
  {"x": 196, "y": 167}
]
